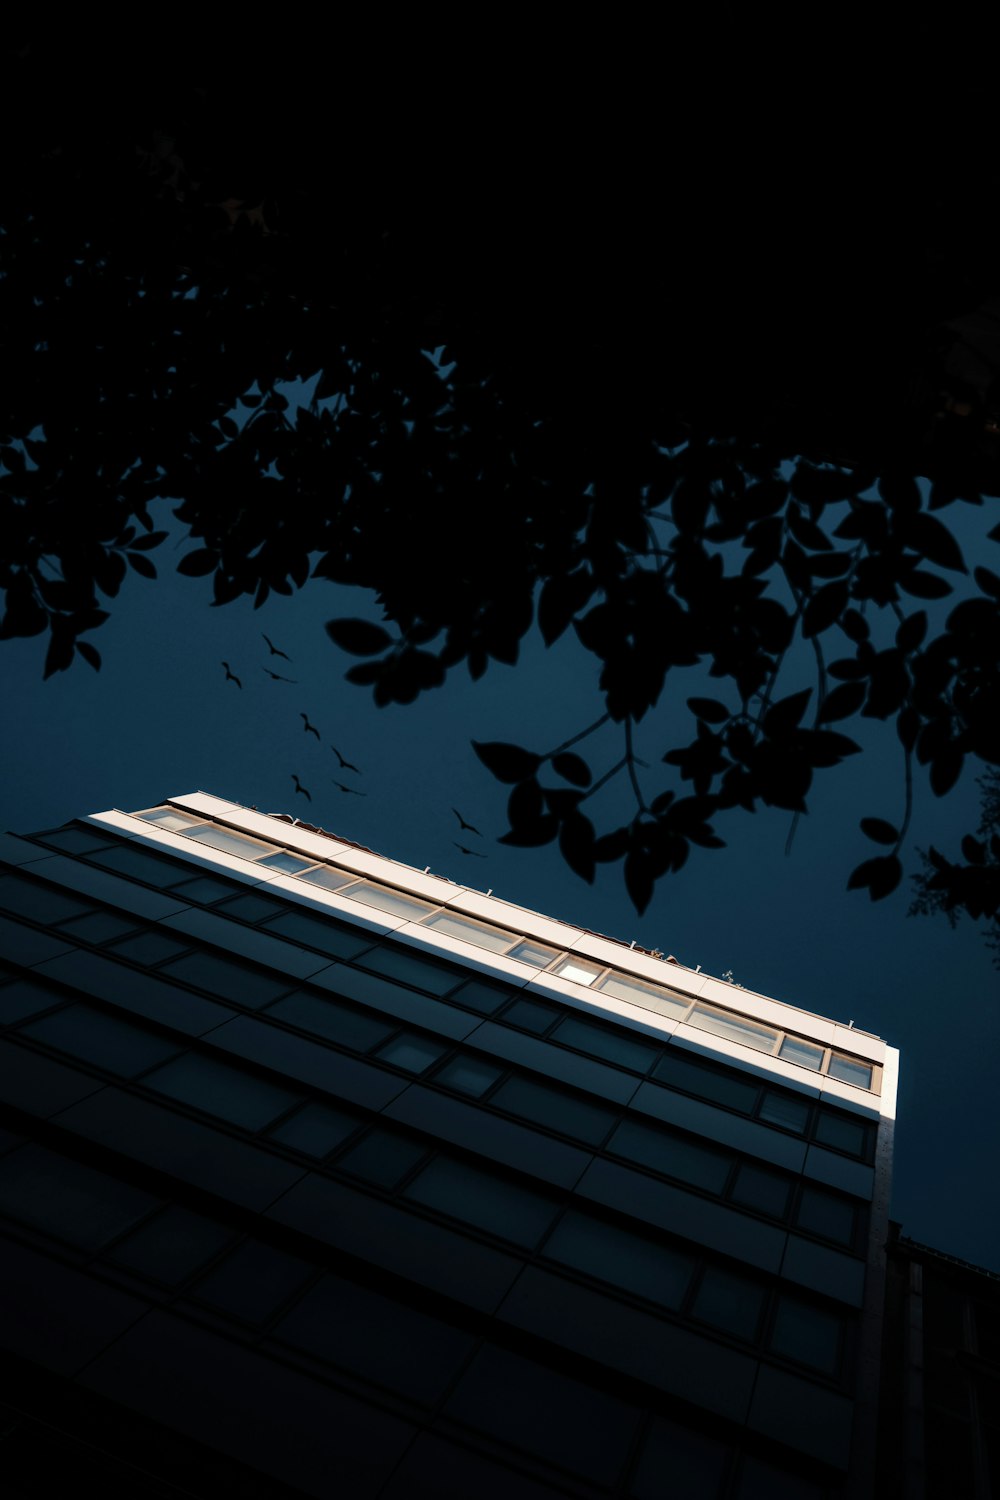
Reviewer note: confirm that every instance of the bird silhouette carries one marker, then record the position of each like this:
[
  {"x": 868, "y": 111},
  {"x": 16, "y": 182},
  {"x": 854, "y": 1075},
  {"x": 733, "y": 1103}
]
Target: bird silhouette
[
  {"x": 274, "y": 650},
  {"x": 351, "y": 789},
  {"x": 300, "y": 788},
  {"x": 465, "y": 825},
  {"x": 275, "y": 677},
  {"x": 310, "y": 728},
  {"x": 474, "y": 852},
  {"x": 345, "y": 765},
  {"x": 231, "y": 676}
]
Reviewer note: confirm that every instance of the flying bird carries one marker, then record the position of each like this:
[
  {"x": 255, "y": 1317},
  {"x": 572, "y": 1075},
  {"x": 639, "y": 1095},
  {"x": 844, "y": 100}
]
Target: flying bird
[
  {"x": 231, "y": 676},
  {"x": 352, "y": 789},
  {"x": 466, "y": 826},
  {"x": 274, "y": 650},
  {"x": 310, "y": 728},
  {"x": 275, "y": 677},
  {"x": 300, "y": 788},
  {"x": 345, "y": 765},
  {"x": 474, "y": 852}
]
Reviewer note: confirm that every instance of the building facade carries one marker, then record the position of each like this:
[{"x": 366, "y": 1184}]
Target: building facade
[{"x": 320, "y": 1175}]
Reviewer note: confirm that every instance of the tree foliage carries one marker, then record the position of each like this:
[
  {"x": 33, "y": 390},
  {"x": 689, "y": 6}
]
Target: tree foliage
[{"x": 696, "y": 411}]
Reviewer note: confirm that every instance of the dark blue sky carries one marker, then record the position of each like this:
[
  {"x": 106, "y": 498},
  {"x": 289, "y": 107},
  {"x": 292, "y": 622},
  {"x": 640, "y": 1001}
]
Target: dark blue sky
[{"x": 159, "y": 720}]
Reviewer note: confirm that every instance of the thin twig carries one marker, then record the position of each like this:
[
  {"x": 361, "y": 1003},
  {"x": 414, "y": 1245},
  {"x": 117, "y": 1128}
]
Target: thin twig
[
  {"x": 630, "y": 760},
  {"x": 576, "y": 738},
  {"x": 603, "y": 780}
]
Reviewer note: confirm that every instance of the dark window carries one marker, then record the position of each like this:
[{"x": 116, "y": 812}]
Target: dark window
[
  {"x": 785, "y": 1110},
  {"x": 316, "y": 1129},
  {"x": 681, "y": 1072},
  {"x": 148, "y": 948},
  {"x": 468, "y": 1075},
  {"x": 253, "y": 1281},
  {"x": 809, "y": 1335},
  {"x": 63, "y": 1198},
  {"x": 414, "y": 1054},
  {"x": 172, "y": 1246},
  {"x": 205, "y": 889},
  {"x": 765, "y": 1191},
  {"x": 412, "y": 968},
  {"x": 329, "y": 937},
  {"x": 383, "y": 1158},
  {"x": 729, "y": 1302},
  {"x": 609, "y": 1045},
  {"x": 39, "y": 903},
  {"x": 94, "y": 1037},
  {"x": 227, "y": 980},
  {"x": 530, "y": 1015},
  {"x": 138, "y": 865},
  {"x": 75, "y": 840},
  {"x": 240, "y": 1098},
  {"x": 98, "y": 927},
  {"x": 693, "y": 1464},
  {"x": 338, "y": 1023},
  {"x": 251, "y": 908},
  {"x": 626, "y": 1260},
  {"x": 25, "y": 998},
  {"x": 672, "y": 1155},
  {"x": 845, "y": 1132},
  {"x": 563, "y": 1112},
  {"x": 482, "y": 996},
  {"x": 824, "y": 1214},
  {"x": 479, "y": 1198}
]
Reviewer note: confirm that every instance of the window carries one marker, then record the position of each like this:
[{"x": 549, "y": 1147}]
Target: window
[
  {"x": 451, "y": 925},
  {"x": 468, "y": 1075},
  {"x": 94, "y": 1037},
  {"x": 240, "y": 1098},
  {"x": 414, "y": 1054},
  {"x": 650, "y": 996},
  {"x": 729, "y": 1302},
  {"x": 842, "y": 1131},
  {"x": 850, "y": 1070},
  {"x": 382, "y": 1158},
  {"x": 393, "y": 902},
  {"x": 784, "y": 1110},
  {"x": 765, "y": 1191},
  {"x": 329, "y": 878},
  {"x": 483, "y": 1200},
  {"x": 354, "y": 1029},
  {"x": 228, "y": 980},
  {"x": 530, "y": 1015},
  {"x": 823, "y": 1214},
  {"x": 672, "y": 1156},
  {"x": 228, "y": 842},
  {"x": 627, "y": 1260},
  {"x": 735, "y": 1028},
  {"x": 550, "y": 1107},
  {"x": 316, "y": 1129},
  {"x": 288, "y": 864},
  {"x": 678, "y": 1070},
  {"x": 169, "y": 817},
  {"x": 804, "y": 1053},
  {"x": 809, "y": 1335},
  {"x": 610, "y": 1046},
  {"x": 532, "y": 953},
  {"x": 578, "y": 969}
]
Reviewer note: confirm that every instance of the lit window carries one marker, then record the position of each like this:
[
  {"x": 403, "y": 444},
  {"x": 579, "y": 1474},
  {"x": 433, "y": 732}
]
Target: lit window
[
  {"x": 577, "y": 969},
  {"x": 169, "y": 817},
  {"x": 532, "y": 953},
  {"x": 794, "y": 1050},
  {"x": 648, "y": 995},
  {"x": 451, "y": 925},
  {"x": 289, "y": 864},
  {"x": 850, "y": 1070},
  {"x": 230, "y": 843},
  {"x": 735, "y": 1028},
  {"x": 393, "y": 902},
  {"x": 329, "y": 878}
]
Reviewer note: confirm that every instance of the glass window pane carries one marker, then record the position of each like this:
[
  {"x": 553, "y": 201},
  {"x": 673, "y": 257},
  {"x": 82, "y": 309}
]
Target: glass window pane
[
  {"x": 672, "y": 1155},
  {"x": 66, "y": 1199},
  {"x": 785, "y": 1110},
  {"x": 481, "y": 996},
  {"x": 240, "y": 1098},
  {"x": 412, "y": 968},
  {"x": 412, "y": 1053},
  {"x": 105, "y": 1040},
  {"x": 626, "y": 1260},
  {"x": 678, "y": 1070},
  {"x": 651, "y": 996},
  {"x": 75, "y": 840},
  {"x": 138, "y": 865},
  {"x": 393, "y": 902},
  {"x": 548, "y": 1106},
  {"x": 354, "y": 1029},
  {"x": 26, "y": 998},
  {"x": 452, "y": 925},
  {"x": 149, "y": 948},
  {"x": 382, "y": 1158},
  {"x": 39, "y": 903},
  {"x": 172, "y": 1246},
  {"x": 735, "y": 1028},
  {"x": 323, "y": 933},
  {"x": 763, "y": 1190},
  {"x": 578, "y": 969},
  {"x": 679, "y": 1464},
  {"x": 479, "y": 1198},
  {"x": 251, "y": 908},
  {"x": 843, "y": 1131},
  {"x": 169, "y": 817},
  {"x": 288, "y": 864},
  {"x": 530, "y": 1015},
  {"x": 806, "y": 1054},
  {"x": 205, "y": 889},
  {"x": 253, "y": 1281},
  {"x": 730, "y": 1302},
  {"x": 530, "y": 952},
  {"x": 807, "y": 1334},
  {"x": 606, "y": 1044},
  {"x": 99, "y": 927},
  {"x": 229, "y": 842},
  {"x": 468, "y": 1075},
  {"x": 316, "y": 1129},
  {"x": 850, "y": 1070},
  {"x": 329, "y": 878},
  {"x": 824, "y": 1214},
  {"x": 230, "y": 981}
]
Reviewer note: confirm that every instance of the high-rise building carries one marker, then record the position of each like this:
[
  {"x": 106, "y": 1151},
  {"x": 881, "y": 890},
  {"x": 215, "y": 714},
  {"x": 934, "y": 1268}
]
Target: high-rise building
[{"x": 321, "y": 1175}]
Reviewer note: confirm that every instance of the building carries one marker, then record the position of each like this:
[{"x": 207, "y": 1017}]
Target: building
[{"x": 320, "y": 1175}]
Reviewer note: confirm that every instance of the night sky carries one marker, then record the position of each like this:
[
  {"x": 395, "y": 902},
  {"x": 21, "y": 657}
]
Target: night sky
[{"x": 160, "y": 720}]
